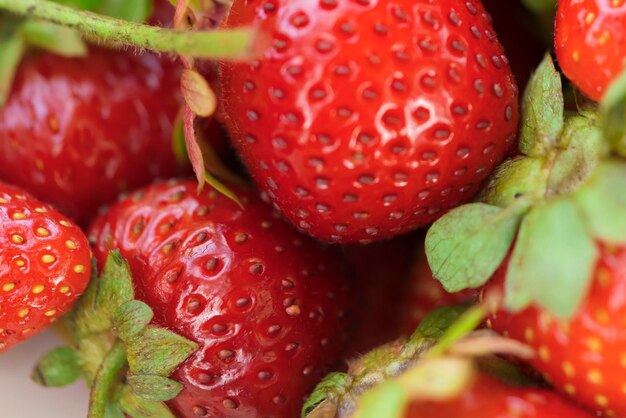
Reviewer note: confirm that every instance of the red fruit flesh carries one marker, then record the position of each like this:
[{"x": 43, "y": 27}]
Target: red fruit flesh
[
  {"x": 590, "y": 42},
  {"x": 490, "y": 398},
  {"x": 365, "y": 119},
  {"x": 77, "y": 132},
  {"x": 265, "y": 304},
  {"x": 44, "y": 265},
  {"x": 586, "y": 356}
]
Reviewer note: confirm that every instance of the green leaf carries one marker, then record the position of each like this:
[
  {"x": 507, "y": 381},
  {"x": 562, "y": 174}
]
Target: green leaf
[
  {"x": 158, "y": 351},
  {"x": 141, "y": 408},
  {"x": 333, "y": 384},
  {"x": 115, "y": 286},
  {"x": 131, "y": 318},
  {"x": 466, "y": 246},
  {"x": 58, "y": 367},
  {"x": 197, "y": 93},
  {"x": 113, "y": 410},
  {"x": 12, "y": 49},
  {"x": 553, "y": 260},
  {"x": 154, "y": 388},
  {"x": 613, "y": 114},
  {"x": 517, "y": 177},
  {"x": 603, "y": 201},
  {"x": 542, "y": 111},
  {"x": 389, "y": 399},
  {"x": 463, "y": 325},
  {"x": 584, "y": 149},
  {"x": 59, "y": 40},
  {"x": 130, "y": 10},
  {"x": 438, "y": 321}
]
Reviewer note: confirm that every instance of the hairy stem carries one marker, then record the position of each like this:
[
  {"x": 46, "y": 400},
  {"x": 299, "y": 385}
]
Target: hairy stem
[
  {"x": 211, "y": 44},
  {"x": 106, "y": 377}
]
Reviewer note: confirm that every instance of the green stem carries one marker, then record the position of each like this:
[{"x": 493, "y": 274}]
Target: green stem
[
  {"x": 106, "y": 377},
  {"x": 210, "y": 44}
]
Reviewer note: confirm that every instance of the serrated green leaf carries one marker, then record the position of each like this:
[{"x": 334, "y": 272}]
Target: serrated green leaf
[
  {"x": 542, "y": 111},
  {"x": 141, "y": 408},
  {"x": 603, "y": 201},
  {"x": 553, "y": 260},
  {"x": 466, "y": 246},
  {"x": 389, "y": 399},
  {"x": 154, "y": 388},
  {"x": 59, "y": 40},
  {"x": 158, "y": 351},
  {"x": 584, "y": 149},
  {"x": 334, "y": 384},
  {"x": 58, "y": 367},
  {"x": 131, "y": 318},
  {"x": 613, "y": 114},
  {"x": 12, "y": 49},
  {"x": 115, "y": 286}
]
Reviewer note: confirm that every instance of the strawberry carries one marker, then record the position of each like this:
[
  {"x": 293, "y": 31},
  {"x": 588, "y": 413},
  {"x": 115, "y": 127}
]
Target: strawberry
[
  {"x": 94, "y": 127},
  {"x": 584, "y": 356},
  {"x": 366, "y": 119},
  {"x": 438, "y": 373},
  {"x": 547, "y": 240},
  {"x": 590, "y": 42},
  {"x": 424, "y": 294},
  {"x": 265, "y": 306},
  {"x": 44, "y": 265}
]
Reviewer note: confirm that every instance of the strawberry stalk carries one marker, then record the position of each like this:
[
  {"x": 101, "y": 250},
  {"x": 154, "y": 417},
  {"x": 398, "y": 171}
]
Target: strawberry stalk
[
  {"x": 106, "y": 377},
  {"x": 213, "y": 44}
]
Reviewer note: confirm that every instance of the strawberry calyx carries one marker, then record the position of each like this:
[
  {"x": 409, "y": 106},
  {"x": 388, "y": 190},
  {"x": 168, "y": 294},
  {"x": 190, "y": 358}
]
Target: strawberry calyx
[
  {"x": 437, "y": 362},
  {"x": 545, "y": 210},
  {"x": 125, "y": 358}
]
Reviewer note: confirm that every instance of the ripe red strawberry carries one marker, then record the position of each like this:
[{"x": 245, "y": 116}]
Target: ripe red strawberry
[
  {"x": 488, "y": 397},
  {"x": 590, "y": 42},
  {"x": 76, "y": 132},
  {"x": 424, "y": 295},
  {"x": 265, "y": 305},
  {"x": 584, "y": 357},
  {"x": 44, "y": 265},
  {"x": 366, "y": 119}
]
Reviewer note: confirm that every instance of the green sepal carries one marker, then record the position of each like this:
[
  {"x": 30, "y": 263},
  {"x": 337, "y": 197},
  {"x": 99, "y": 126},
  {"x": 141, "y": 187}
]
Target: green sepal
[
  {"x": 59, "y": 40},
  {"x": 613, "y": 114},
  {"x": 465, "y": 323},
  {"x": 141, "y": 408},
  {"x": 56, "y": 368},
  {"x": 113, "y": 410},
  {"x": 333, "y": 384},
  {"x": 437, "y": 379},
  {"x": 552, "y": 261},
  {"x": 466, "y": 246},
  {"x": 583, "y": 149},
  {"x": 515, "y": 178},
  {"x": 503, "y": 370},
  {"x": 131, "y": 318},
  {"x": 154, "y": 388},
  {"x": 197, "y": 93},
  {"x": 12, "y": 48},
  {"x": 435, "y": 324},
  {"x": 158, "y": 351},
  {"x": 603, "y": 201},
  {"x": 115, "y": 286},
  {"x": 542, "y": 111}
]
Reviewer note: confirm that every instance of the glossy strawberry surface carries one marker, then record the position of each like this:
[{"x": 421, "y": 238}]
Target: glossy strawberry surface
[
  {"x": 44, "y": 265},
  {"x": 590, "y": 42},
  {"x": 266, "y": 305},
  {"x": 365, "y": 119},
  {"x": 584, "y": 357},
  {"x": 490, "y": 398},
  {"x": 77, "y": 132}
]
